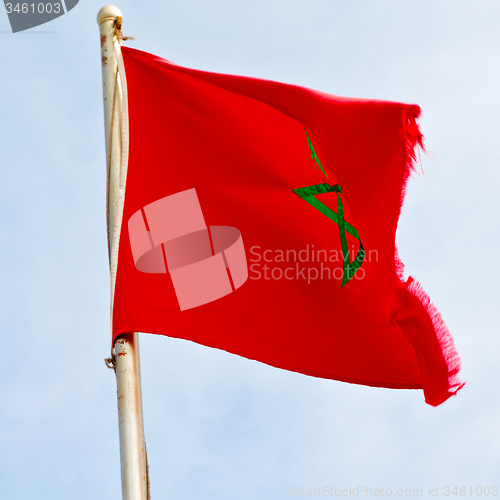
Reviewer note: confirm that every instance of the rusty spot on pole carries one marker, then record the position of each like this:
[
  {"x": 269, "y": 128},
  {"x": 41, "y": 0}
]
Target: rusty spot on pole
[
  {"x": 122, "y": 354},
  {"x": 103, "y": 39},
  {"x": 104, "y": 61}
]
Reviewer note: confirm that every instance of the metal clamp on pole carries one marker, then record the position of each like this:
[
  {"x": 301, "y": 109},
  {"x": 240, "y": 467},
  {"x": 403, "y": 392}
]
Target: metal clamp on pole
[{"x": 126, "y": 348}]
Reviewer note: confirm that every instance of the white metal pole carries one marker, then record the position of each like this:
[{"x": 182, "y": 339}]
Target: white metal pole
[
  {"x": 132, "y": 443},
  {"x": 126, "y": 348}
]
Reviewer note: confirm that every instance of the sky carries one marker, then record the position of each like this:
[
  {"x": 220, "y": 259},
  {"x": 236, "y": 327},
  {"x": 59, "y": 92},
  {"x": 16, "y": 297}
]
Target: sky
[{"x": 219, "y": 426}]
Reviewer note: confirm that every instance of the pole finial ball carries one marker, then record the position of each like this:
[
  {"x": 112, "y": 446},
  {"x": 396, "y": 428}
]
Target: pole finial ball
[{"x": 108, "y": 13}]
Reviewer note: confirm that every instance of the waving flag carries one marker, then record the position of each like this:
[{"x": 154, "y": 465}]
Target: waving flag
[{"x": 260, "y": 218}]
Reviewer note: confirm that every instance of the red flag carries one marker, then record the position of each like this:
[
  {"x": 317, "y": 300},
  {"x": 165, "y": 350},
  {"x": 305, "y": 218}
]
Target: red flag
[{"x": 260, "y": 218}]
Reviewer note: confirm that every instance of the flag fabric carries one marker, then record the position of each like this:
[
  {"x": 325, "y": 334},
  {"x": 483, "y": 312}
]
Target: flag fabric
[{"x": 260, "y": 218}]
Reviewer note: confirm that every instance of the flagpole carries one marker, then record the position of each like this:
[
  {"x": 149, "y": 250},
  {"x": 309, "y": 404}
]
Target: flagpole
[{"x": 126, "y": 348}]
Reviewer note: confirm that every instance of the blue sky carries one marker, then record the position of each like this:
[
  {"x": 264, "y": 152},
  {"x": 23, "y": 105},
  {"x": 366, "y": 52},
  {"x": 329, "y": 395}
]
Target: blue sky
[{"x": 219, "y": 426}]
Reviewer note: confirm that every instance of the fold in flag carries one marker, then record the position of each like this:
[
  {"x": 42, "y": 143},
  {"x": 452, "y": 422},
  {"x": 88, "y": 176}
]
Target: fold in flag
[{"x": 260, "y": 218}]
